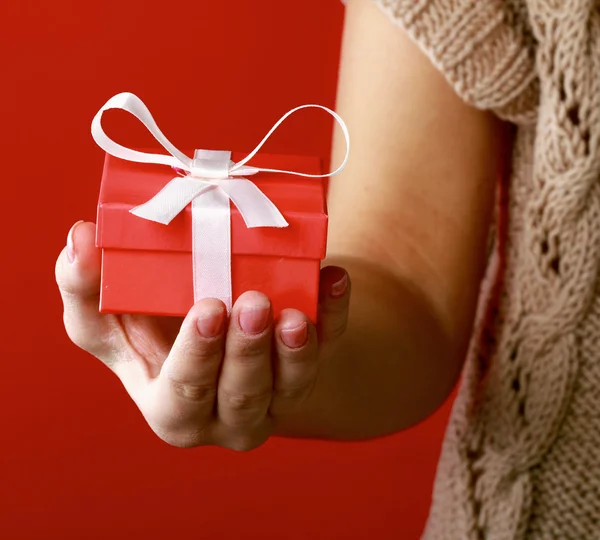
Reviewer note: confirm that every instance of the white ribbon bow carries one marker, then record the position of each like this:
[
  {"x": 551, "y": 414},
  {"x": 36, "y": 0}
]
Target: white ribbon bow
[{"x": 211, "y": 181}]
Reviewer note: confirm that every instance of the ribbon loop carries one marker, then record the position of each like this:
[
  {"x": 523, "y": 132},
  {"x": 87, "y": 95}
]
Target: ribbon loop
[
  {"x": 135, "y": 106},
  {"x": 336, "y": 117}
]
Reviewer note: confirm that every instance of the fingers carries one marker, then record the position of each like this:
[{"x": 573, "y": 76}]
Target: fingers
[
  {"x": 180, "y": 409},
  {"x": 246, "y": 381},
  {"x": 78, "y": 278},
  {"x": 334, "y": 303},
  {"x": 297, "y": 362}
]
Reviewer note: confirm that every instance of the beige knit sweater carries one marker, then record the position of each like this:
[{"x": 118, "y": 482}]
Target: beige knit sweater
[{"x": 521, "y": 459}]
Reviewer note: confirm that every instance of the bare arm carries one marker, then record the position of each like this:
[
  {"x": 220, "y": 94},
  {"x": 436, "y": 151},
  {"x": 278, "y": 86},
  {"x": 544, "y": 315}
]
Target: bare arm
[{"x": 409, "y": 220}]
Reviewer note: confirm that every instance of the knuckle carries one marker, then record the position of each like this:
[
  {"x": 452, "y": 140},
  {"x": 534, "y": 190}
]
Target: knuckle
[
  {"x": 82, "y": 336},
  {"x": 243, "y": 401},
  {"x": 196, "y": 393},
  {"x": 77, "y": 337}
]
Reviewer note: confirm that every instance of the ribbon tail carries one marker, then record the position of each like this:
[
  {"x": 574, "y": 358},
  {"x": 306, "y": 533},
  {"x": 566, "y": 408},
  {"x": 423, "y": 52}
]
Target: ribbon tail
[
  {"x": 171, "y": 199},
  {"x": 211, "y": 247},
  {"x": 256, "y": 208}
]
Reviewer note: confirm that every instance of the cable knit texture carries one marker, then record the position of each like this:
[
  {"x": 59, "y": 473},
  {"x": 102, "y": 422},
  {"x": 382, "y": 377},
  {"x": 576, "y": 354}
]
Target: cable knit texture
[{"x": 521, "y": 458}]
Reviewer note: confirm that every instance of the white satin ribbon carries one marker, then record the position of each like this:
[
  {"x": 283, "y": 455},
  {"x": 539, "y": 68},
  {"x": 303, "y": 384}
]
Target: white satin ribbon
[{"x": 211, "y": 181}]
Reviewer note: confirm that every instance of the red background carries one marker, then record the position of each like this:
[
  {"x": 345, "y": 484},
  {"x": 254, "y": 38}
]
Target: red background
[{"x": 76, "y": 459}]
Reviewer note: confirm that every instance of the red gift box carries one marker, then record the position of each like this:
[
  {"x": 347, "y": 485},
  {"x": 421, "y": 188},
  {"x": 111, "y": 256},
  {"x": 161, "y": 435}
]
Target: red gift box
[{"x": 147, "y": 266}]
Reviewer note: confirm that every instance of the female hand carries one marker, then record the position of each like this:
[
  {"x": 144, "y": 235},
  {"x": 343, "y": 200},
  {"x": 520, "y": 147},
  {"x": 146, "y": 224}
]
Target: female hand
[{"x": 207, "y": 379}]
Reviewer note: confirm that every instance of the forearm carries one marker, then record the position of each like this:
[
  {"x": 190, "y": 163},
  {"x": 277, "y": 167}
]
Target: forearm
[
  {"x": 409, "y": 219},
  {"x": 394, "y": 366}
]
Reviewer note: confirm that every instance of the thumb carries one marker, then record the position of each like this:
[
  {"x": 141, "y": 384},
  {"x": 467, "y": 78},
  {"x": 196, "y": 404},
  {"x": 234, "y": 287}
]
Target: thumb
[{"x": 78, "y": 278}]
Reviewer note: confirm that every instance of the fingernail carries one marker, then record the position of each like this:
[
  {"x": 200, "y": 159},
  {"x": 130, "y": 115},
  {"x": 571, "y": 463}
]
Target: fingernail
[
  {"x": 339, "y": 289},
  {"x": 296, "y": 337},
  {"x": 254, "y": 319},
  {"x": 71, "y": 243},
  {"x": 210, "y": 324}
]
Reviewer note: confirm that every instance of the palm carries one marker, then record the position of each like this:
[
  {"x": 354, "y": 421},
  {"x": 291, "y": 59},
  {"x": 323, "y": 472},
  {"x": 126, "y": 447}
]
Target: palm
[{"x": 148, "y": 338}]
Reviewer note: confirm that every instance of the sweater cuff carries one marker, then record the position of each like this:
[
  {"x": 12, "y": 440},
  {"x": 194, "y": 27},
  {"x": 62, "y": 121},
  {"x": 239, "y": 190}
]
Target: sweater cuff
[{"x": 483, "y": 48}]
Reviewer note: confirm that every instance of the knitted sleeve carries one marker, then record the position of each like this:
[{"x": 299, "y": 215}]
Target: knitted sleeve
[
  {"x": 520, "y": 459},
  {"x": 484, "y": 48}
]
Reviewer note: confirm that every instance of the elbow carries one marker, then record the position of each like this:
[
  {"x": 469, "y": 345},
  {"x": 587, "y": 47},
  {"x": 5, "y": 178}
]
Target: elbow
[{"x": 431, "y": 368}]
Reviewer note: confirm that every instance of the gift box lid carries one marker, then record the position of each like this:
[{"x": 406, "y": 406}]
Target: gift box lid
[{"x": 126, "y": 185}]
